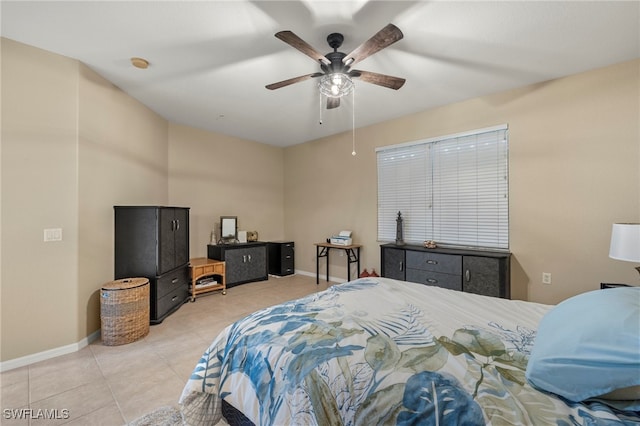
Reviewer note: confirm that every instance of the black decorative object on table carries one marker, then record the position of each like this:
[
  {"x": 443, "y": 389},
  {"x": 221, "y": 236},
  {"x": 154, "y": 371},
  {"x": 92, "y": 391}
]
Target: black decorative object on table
[{"x": 399, "y": 237}]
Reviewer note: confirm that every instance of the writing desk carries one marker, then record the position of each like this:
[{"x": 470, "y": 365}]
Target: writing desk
[{"x": 353, "y": 256}]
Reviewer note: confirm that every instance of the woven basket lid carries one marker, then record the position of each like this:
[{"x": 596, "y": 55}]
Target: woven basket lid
[{"x": 125, "y": 284}]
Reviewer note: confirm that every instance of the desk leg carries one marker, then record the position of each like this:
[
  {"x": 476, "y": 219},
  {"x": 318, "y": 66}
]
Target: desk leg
[
  {"x": 321, "y": 252},
  {"x": 317, "y": 265},
  {"x": 352, "y": 257},
  {"x": 326, "y": 250}
]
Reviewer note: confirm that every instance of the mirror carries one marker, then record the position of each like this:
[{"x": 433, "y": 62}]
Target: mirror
[{"x": 228, "y": 228}]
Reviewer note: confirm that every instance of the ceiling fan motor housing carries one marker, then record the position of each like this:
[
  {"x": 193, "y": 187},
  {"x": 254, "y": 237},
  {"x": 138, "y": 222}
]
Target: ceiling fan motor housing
[{"x": 336, "y": 63}]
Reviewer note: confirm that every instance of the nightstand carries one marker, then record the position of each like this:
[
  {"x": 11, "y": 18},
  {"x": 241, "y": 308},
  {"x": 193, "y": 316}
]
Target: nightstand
[{"x": 612, "y": 285}]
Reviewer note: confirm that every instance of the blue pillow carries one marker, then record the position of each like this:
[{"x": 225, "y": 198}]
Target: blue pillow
[{"x": 589, "y": 345}]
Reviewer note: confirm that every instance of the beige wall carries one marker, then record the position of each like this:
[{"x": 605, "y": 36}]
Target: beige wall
[
  {"x": 574, "y": 170},
  {"x": 73, "y": 145},
  {"x": 218, "y": 175},
  {"x": 122, "y": 160},
  {"x": 39, "y": 190}
]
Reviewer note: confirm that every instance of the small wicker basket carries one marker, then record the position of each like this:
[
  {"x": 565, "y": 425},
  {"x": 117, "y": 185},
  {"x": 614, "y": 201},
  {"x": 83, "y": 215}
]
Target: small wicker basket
[{"x": 124, "y": 311}]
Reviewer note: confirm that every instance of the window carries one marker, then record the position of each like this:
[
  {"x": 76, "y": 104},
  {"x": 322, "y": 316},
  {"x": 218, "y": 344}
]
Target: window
[{"x": 453, "y": 189}]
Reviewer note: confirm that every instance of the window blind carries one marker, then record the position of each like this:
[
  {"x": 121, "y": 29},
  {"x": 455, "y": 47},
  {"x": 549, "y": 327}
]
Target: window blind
[{"x": 453, "y": 189}]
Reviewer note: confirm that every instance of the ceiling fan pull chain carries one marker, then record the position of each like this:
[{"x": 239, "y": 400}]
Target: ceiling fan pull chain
[
  {"x": 353, "y": 121},
  {"x": 320, "y": 109}
]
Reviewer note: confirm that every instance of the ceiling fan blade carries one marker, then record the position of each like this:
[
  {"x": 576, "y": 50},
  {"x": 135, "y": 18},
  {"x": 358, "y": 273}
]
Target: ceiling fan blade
[
  {"x": 380, "y": 79},
  {"x": 293, "y": 80},
  {"x": 293, "y": 40},
  {"x": 383, "y": 38},
  {"x": 333, "y": 103}
]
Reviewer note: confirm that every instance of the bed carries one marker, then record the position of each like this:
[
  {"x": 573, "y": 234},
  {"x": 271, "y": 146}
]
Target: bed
[{"x": 381, "y": 351}]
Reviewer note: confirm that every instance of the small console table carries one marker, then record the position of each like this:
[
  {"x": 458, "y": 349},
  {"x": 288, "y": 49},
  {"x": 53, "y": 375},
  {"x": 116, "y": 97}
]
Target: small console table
[
  {"x": 353, "y": 256},
  {"x": 201, "y": 267}
]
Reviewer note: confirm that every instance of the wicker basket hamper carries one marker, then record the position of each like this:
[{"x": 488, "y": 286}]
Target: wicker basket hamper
[{"x": 124, "y": 311}]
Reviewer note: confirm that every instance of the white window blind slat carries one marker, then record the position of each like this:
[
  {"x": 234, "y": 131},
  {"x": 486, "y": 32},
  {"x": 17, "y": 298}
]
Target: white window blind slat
[{"x": 453, "y": 190}]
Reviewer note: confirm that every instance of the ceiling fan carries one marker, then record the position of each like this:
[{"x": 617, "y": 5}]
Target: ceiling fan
[{"x": 336, "y": 76}]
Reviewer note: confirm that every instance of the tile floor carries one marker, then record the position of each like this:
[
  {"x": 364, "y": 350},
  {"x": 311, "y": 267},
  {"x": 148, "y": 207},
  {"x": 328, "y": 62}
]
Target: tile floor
[{"x": 113, "y": 385}]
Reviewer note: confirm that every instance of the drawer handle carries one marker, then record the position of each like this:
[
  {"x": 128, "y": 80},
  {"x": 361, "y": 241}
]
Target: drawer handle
[
  {"x": 432, "y": 262},
  {"x": 244, "y": 258},
  {"x": 288, "y": 257},
  {"x": 467, "y": 275},
  {"x": 401, "y": 266},
  {"x": 432, "y": 281},
  {"x": 173, "y": 281},
  {"x": 249, "y": 256}
]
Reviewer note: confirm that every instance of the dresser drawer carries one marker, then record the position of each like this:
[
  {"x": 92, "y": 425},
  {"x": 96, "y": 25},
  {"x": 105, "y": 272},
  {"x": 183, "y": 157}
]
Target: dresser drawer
[
  {"x": 436, "y": 262},
  {"x": 287, "y": 267},
  {"x": 286, "y": 254},
  {"x": 168, "y": 283},
  {"x": 453, "y": 282},
  {"x": 168, "y": 302}
]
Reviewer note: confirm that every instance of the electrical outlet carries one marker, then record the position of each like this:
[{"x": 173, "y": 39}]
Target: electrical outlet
[{"x": 546, "y": 278}]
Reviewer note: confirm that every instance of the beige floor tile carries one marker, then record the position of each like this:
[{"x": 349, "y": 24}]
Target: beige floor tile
[
  {"x": 75, "y": 403},
  {"x": 16, "y": 416},
  {"x": 121, "y": 360},
  {"x": 15, "y": 388},
  {"x": 186, "y": 343},
  {"x": 112, "y": 385},
  {"x": 142, "y": 393},
  {"x": 14, "y": 376},
  {"x": 105, "y": 416},
  {"x": 73, "y": 371}
]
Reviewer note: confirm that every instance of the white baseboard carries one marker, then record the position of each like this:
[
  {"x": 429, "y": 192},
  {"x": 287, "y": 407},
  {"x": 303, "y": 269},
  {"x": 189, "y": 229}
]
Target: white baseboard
[
  {"x": 322, "y": 277},
  {"x": 48, "y": 354}
]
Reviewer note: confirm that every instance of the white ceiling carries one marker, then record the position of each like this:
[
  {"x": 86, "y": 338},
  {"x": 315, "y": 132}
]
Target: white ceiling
[{"x": 210, "y": 60}]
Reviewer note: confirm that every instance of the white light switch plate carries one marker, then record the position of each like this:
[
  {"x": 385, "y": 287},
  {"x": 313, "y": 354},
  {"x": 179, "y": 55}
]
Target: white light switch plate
[{"x": 53, "y": 234}]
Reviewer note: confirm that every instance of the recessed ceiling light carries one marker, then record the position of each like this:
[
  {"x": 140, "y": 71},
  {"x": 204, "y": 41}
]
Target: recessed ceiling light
[{"x": 140, "y": 63}]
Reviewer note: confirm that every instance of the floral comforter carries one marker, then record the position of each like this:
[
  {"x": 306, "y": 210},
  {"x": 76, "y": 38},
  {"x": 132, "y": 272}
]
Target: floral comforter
[{"x": 380, "y": 351}]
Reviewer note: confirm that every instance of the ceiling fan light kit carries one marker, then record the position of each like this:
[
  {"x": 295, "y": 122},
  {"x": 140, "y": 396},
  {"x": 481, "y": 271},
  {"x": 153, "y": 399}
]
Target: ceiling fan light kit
[{"x": 335, "y": 85}]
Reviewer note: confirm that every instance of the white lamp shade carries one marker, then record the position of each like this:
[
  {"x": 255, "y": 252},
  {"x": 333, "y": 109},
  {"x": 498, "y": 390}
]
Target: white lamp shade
[{"x": 625, "y": 242}]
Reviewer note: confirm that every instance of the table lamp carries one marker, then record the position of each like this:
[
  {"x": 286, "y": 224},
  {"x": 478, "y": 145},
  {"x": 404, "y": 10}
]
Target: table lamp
[{"x": 625, "y": 242}]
